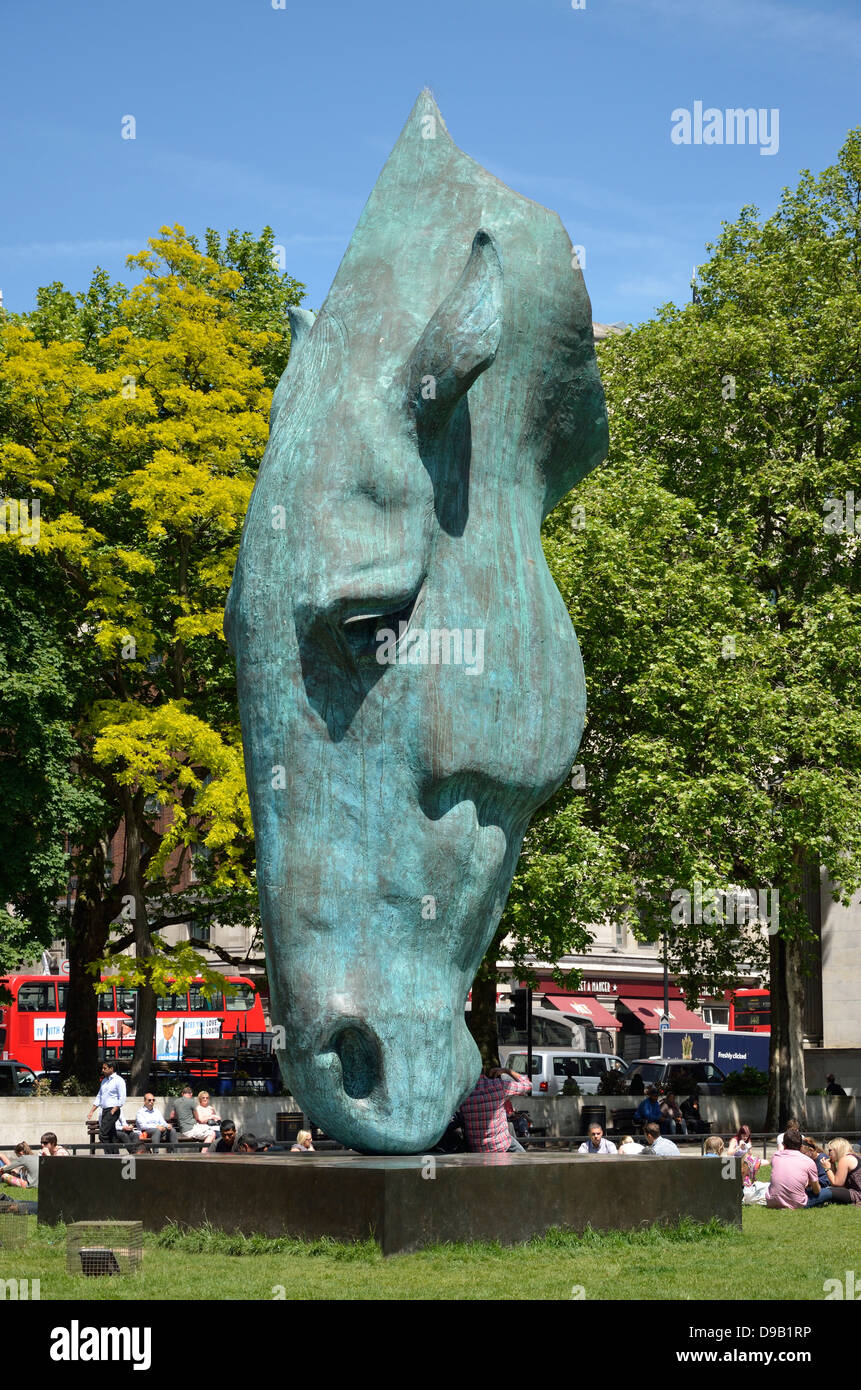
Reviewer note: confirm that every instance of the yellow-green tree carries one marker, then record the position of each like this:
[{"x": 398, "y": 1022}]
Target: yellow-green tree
[{"x": 136, "y": 418}]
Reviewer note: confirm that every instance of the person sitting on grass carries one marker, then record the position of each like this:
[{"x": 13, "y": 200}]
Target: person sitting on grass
[
  {"x": 843, "y": 1170},
  {"x": 793, "y": 1175},
  {"x": 22, "y": 1170},
  {"x": 596, "y": 1143},
  {"x": 714, "y": 1147},
  {"x": 741, "y": 1146},
  {"x": 791, "y": 1124},
  {"x": 657, "y": 1144},
  {"x": 740, "y": 1143},
  {"x": 51, "y": 1148},
  {"x": 811, "y": 1149}
]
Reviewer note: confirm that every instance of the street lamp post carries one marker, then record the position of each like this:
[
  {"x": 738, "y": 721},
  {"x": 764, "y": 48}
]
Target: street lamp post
[{"x": 665, "y": 1018}]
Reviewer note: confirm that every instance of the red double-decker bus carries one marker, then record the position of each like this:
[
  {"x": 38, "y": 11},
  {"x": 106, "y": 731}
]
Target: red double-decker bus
[
  {"x": 32, "y": 1026},
  {"x": 750, "y": 1011}
]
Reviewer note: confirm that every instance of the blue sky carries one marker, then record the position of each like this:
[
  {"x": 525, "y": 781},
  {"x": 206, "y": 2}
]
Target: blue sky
[{"x": 247, "y": 115}]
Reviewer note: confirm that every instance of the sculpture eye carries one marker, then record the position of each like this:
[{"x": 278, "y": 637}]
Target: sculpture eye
[{"x": 362, "y": 631}]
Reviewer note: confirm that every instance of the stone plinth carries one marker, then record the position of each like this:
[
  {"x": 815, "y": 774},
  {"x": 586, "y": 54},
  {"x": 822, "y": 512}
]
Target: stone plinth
[{"x": 403, "y": 1202}]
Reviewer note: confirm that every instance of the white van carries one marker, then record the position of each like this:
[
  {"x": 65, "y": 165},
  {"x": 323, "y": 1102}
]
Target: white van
[{"x": 551, "y": 1067}]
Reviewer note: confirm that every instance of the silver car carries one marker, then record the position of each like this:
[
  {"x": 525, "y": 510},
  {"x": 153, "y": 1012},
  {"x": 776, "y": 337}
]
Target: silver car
[{"x": 552, "y": 1066}]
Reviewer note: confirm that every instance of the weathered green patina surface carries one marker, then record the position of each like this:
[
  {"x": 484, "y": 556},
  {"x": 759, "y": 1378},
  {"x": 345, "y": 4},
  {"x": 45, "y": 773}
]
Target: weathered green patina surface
[{"x": 410, "y": 685}]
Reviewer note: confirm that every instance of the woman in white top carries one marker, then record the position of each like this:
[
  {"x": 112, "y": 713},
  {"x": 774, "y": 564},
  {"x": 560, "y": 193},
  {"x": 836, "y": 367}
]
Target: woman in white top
[
  {"x": 204, "y": 1113},
  {"x": 628, "y": 1146}
]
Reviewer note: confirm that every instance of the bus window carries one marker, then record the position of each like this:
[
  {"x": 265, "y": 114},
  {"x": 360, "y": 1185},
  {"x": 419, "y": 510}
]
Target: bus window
[
  {"x": 546, "y": 1032},
  {"x": 126, "y": 999},
  {"x": 105, "y": 998},
  {"x": 242, "y": 1000},
  {"x": 172, "y": 1003},
  {"x": 201, "y": 1005},
  {"x": 62, "y": 991},
  {"x": 36, "y": 999}
]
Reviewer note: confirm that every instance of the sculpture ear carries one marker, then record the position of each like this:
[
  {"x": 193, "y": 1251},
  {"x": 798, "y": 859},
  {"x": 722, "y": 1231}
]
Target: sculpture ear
[
  {"x": 460, "y": 341},
  {"x": 301, "y": 323}
]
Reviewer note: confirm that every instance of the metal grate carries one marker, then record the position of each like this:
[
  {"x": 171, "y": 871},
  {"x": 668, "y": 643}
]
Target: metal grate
[
  {"x": 13, "y": 1225},
  {"x": 104, "y": 1247}
]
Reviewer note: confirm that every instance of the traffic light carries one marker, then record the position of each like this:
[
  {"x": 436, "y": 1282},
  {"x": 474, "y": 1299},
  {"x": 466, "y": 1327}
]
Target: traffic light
[{"x": 518, "y": 1008}]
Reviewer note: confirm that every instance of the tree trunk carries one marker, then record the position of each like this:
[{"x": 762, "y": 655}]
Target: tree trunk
[
  {"x": 146, "y": 996},
  {"x": 481, "y": 1020},
  {"x": 786, "y": 1086},
  {"x": 89, "y": 932}
]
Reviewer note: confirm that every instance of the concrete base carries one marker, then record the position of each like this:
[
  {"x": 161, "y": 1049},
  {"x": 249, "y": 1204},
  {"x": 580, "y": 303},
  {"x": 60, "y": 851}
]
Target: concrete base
[{"x": 405, "y": 1203}]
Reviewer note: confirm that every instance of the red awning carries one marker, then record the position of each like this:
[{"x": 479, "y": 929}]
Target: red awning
[
  {"x": 583, "y": 1006},
  {"x": 649, "y": 1012}
]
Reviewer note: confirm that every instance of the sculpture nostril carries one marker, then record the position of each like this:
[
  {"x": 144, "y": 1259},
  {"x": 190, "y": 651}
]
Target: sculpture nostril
[{"x": 361, "y": 1064}]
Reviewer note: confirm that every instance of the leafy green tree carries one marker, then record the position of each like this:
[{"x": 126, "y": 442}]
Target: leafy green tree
[
  {"x": 137, "y": 418},
  {"x": 713, "y": 579}
]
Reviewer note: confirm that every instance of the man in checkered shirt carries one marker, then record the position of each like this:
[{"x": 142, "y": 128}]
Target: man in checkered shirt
[{"x": 484, "y": 1119}]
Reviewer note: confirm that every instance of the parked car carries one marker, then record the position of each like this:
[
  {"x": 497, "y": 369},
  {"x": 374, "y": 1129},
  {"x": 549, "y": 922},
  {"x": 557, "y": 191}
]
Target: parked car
[
  {"x": 682, "y": 1078},
  {"x": 552, "y": 1066},
  {"x": 16, "y": 1079}
]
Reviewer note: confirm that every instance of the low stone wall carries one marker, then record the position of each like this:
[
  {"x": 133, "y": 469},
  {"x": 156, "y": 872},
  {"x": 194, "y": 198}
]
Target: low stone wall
[
  {"x": 561, "y": 1115},
  {"x": 28, "y": 1117},
  {"x": 844, "y": 1062},
  {"x": 504, "y": 1197},
  {"x": 824, "y": 1113}
]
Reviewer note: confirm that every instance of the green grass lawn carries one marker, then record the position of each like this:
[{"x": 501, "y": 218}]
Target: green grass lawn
[{"x": 778, "y": 1255}]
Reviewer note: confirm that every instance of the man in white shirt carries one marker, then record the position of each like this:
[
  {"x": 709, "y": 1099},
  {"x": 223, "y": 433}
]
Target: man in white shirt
[
  {"x": 110, "y": 1101},
  {"x": 150, "y": 1121},
  {"x": 596, "y": 1143}
]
